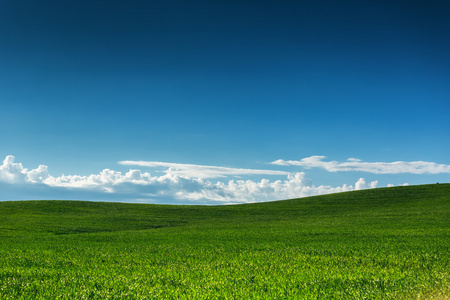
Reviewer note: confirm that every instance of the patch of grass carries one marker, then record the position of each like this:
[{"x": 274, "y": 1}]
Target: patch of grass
[{"x": 374, "y": 244}]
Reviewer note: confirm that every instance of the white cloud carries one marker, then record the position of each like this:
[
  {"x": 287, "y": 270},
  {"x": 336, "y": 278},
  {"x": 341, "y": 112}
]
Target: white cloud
[
  {"x": 353, "y": 164},
  {"x": 362, "y": 185},
  {"x": 38, "y": 175},
  {"x": 180, "y": 184},
  {"x": 107, "y": 180},
  {"x": 10, "y": 171},
  {"x": 201, "y": 171},
  {"x": 245, "y": 191}
]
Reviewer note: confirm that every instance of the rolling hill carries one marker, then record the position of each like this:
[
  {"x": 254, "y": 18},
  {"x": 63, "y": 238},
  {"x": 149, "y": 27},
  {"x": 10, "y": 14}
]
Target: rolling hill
[{"x": 387, "y": 243}]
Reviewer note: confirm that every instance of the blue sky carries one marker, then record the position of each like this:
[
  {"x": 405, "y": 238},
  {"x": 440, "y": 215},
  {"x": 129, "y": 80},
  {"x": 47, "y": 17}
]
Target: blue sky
[{"x": 203, "y": 97}]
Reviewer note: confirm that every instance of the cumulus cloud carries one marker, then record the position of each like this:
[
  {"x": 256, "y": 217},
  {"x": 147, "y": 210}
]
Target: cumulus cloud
[
  {"x": 12, "y": 172},
  {"x": 354, "y": 164},
  {"x": 106, "y": 180},
  {"x": 246, "y": 191},
  {"x": 38, "y": 175},
  {"x": 362, "y": 185},
  {"x": 200, "y": 171},
  {"x": 180, "y": 183}
]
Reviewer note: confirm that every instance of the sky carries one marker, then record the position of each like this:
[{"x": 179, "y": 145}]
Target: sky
[{"x": 221, "y": 102}]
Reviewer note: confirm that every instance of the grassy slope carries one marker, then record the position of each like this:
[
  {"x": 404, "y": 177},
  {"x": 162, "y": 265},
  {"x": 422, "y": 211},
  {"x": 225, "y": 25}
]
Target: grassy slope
[{"x": 375, "y": 244}]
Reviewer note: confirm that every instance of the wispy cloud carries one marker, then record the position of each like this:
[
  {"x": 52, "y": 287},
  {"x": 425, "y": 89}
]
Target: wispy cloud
[
  {"x": 181, "y": 183},
  {"x": 201, "y": 171},
  {"x": 353, "y": 164}
]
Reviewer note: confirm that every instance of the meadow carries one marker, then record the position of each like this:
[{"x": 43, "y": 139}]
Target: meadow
[{"x": 387, "y": 243}]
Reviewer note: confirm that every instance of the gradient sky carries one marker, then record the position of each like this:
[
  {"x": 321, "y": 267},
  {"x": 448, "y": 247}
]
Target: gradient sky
[{"x": 207, "y": 91}]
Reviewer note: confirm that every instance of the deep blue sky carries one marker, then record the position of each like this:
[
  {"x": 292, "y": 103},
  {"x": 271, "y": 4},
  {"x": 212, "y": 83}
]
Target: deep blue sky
[{"x": 86, "y": 84}]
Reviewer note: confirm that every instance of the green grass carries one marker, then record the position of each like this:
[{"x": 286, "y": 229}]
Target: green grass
[{"x": 390, "y": 243}]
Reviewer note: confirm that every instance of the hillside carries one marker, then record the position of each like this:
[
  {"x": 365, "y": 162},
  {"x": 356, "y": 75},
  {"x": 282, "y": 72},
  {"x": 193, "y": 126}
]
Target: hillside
[{"x": 379, "y": 244}]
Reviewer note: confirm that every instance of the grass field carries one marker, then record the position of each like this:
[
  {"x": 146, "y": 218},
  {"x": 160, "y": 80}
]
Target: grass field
[{"x": 390, "y": 243}]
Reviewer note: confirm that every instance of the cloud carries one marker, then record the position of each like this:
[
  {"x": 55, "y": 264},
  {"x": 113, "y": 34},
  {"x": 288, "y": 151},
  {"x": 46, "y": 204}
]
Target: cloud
[
  {"x": 38, "y": 175},
  {"x": 106, "y": 180},
  {"x": 353, "y": 164},
  {"x": 12, "y": 172},
  {"x": 201, "y": 171},
  {"x": 181, "y": 183},
  {"x": 246, "y": 191},
  {"x": 362, "y": 185},
  {"x": 392, "y": 185}
]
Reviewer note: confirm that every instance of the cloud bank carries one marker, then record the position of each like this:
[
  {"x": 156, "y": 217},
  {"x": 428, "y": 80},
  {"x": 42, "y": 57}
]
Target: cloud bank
[
  {"x": 180, "y": 183},
  {"x": 354, "y": 164},
  {"x": 200, "y": 171}
]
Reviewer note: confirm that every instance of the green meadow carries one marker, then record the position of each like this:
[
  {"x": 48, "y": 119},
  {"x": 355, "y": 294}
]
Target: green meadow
[{"x": 387, "y": 243}]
